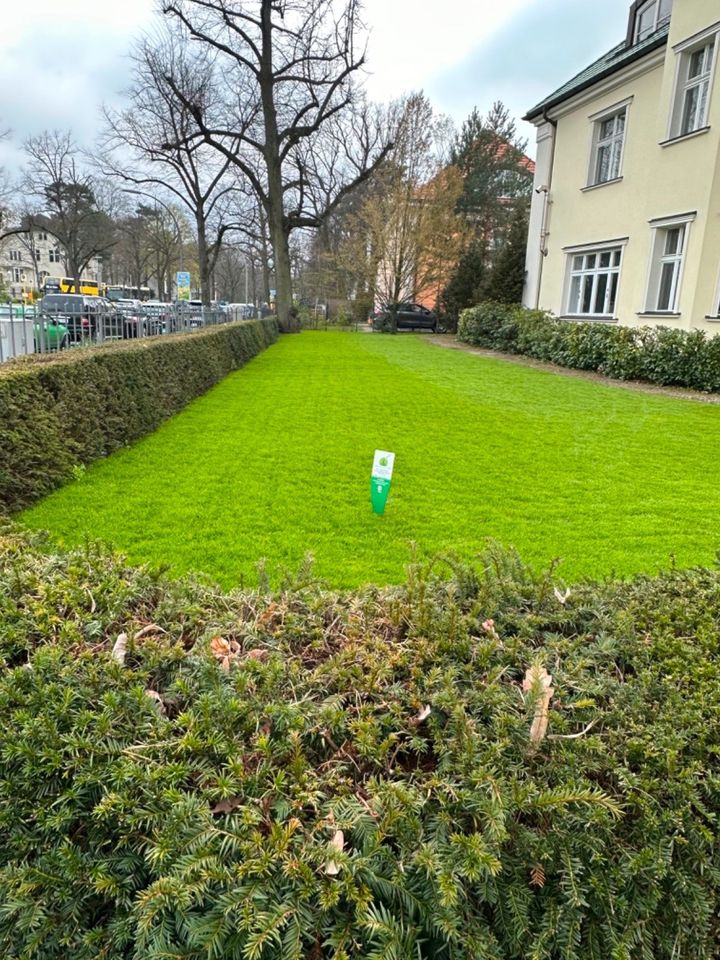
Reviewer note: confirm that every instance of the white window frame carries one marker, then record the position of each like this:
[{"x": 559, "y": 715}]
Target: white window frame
[
  {"x": 684, "y": 83},
  {"x": 597, "y": 121},
  {"x": 612, "y": 246},
  {"x": 54, "y": 255},
  {"x": 659, "y": 257},
  {"x": 658, "y": 19},
  {"x": 715, "y": 314}
]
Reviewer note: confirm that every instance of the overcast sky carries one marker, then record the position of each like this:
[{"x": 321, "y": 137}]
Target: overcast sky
[{"x": 59, "y": 62}]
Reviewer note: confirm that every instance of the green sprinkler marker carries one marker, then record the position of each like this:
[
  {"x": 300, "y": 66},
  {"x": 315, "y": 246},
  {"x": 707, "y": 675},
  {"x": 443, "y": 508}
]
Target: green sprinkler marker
[{"x": 381, "y": 479}]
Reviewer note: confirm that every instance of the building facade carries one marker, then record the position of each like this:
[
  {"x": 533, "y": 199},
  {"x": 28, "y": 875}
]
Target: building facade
[
  {"x": 625, "y": 219},
  {"x": 28, "y": 260}
]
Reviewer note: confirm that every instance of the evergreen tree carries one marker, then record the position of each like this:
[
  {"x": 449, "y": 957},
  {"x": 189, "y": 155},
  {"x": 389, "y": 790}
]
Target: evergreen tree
[
  {"x": 465, "y": 287},
  {"x": 490, "y": 156},
  {"x": 507, "y": 277}
]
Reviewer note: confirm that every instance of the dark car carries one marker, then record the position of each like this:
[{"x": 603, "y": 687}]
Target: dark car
[
  {"x": 405, "y": 316},
  {"x": 85, "y": 317},
  {"x": 137, "y": 320},
  {"x": 76, "y": 312}
]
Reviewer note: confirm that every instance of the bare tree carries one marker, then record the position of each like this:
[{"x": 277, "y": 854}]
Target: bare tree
[
  {"x": 291, "y": 119},
  {"x": 70, "y": 203},
  {"x": 155, "y": 143},
  {"x": 404, "y": 237}
]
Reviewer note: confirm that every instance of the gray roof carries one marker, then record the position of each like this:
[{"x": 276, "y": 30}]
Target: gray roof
[{"x": 614, "y": 60}]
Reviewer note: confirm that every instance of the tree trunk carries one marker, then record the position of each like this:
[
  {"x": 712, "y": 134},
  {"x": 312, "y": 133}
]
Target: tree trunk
[
  {"x": 279, "y": 233},
  {"x": 203, "y": 262},
  {"x": 283, "y": 281}
]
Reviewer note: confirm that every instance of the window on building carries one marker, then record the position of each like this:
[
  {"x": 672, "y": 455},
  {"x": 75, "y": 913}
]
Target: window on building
[
  {"x": 42, "y": 236},
  {"x": 54, "y": 256},
  {"x": 650, "y": 16},
  {"x": 593, "y": 283},
  {"x": 16, "y": 255},
  {"x": 666, "y": 266},
  {"x": 608, "y": 143},
  {"x": 692, "y": 95},
  {"x": 16, "y": 274}
]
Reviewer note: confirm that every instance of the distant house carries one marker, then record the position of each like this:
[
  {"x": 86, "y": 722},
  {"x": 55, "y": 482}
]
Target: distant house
[
  {"x": 29, "y": 259},
  {"x": 625, "y": 219},
  {"x": 511, "y": 184}
]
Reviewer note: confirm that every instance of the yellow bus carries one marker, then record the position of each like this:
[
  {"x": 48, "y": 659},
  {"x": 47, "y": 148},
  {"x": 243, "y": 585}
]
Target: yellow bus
[{"x": 91, "y": 288}]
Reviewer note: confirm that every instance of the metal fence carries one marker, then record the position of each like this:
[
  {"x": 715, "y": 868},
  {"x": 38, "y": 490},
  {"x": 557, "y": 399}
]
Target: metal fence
[{"x": 84, "y": 323}]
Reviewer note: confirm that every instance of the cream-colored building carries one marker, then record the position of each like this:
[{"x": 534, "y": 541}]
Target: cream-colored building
[
  {"x": 28, "y": 260},
  {"x": 625, "y": 220}
]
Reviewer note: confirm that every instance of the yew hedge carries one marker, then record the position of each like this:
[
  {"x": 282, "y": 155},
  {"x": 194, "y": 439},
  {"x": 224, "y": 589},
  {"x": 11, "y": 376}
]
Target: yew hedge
[
  {"x": 661, "y": 355},
  {"x": 59, "y": 412},
  {"x": 191, "y": 774}
]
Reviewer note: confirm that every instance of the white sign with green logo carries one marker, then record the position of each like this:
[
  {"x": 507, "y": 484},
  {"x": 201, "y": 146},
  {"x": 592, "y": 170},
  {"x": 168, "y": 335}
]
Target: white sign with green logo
[{"x": 382, "y": 471}]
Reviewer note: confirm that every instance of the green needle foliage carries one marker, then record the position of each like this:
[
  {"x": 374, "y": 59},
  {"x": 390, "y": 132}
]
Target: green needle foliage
[
  {"x": 275, "y": 461},
  {"x": 198, "y": 775}
]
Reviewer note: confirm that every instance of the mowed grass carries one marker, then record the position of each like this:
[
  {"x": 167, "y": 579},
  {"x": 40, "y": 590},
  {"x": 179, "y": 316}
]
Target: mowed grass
[{"x": 275, "y": 462}]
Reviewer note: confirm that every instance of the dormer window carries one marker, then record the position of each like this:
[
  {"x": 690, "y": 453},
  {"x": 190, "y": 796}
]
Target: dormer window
[{"x": 650, "y": 16}]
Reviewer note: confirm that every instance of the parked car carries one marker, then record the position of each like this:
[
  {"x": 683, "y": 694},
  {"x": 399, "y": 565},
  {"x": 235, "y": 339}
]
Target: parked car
[
  {"x": 78, "y": 313},
  {"x": 157, "y": 316},
  {"x": 86, "y": 317},
  {"x": 407, "y": 316},
  {"x": 134, "y": 319},
  {"x": 50, "y": 334}
]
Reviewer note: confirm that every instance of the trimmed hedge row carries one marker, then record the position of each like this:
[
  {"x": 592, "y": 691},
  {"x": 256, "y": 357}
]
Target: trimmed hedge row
[
  {"x": 185, "y": 773},
  {"x": 683, "y": 358},
  {"x": 71, "y": 408}
]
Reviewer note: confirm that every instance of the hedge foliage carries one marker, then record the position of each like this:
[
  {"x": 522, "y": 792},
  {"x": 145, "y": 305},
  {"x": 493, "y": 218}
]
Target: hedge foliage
[
  {"x": 60, "y": 411},
  {"x": 190, "y": 774},
  {"x": 662, "y": 355}
]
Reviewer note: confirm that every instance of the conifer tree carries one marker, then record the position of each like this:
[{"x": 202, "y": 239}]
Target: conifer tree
[{"x": 507, "y": 277}]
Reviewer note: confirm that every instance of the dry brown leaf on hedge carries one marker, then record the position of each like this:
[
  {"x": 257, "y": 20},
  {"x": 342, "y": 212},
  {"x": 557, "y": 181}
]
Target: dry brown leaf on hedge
[
  {"x": 257, "y": 654},
  {"x": 119, "y": 649},
  {"x": 227, "y": 805},
  {"x": 539, "y": 681},
  {"x": 220, "y": 647},
  {"x": 148, "y": 630},
  {"x": 224, "y": 651},
  {"x": 423, "y": 713},
  {"x": 332, "y": 867},
  {"x": 267, "y": 615},
  {"x": 537, "y": 876},
  {"x": 157, "y": 700}
]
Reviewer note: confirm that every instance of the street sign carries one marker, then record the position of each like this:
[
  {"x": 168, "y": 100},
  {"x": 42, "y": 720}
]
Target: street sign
[
  {"x": 182, "y": 281},
  {"x": 380, "y": 479}
]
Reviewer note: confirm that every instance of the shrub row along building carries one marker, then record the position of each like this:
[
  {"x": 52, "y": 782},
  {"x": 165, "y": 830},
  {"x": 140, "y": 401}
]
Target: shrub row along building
[{"x": 625, "y": 219}]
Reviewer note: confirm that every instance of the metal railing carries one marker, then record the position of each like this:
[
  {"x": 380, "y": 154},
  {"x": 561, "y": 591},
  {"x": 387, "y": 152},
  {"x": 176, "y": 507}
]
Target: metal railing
[{"x": 26, "y": 330}]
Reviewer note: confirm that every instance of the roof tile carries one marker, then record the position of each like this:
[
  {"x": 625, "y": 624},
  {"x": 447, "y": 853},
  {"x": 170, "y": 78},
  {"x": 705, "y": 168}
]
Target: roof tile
[{"x": 614, "y": 60}]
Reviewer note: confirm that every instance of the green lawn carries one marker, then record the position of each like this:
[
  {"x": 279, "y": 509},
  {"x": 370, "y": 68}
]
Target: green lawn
[{"x": 275, "y": 462}]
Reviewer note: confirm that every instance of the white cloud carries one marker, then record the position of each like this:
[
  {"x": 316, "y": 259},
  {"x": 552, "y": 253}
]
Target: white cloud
[{"x": 413, "y": 41}]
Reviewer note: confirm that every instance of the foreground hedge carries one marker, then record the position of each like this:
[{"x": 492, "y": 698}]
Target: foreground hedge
[
  {"x": 68, "y": 409},
  {"x": 683, "y": 358},
  {"x": 190, "y": 774}
]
